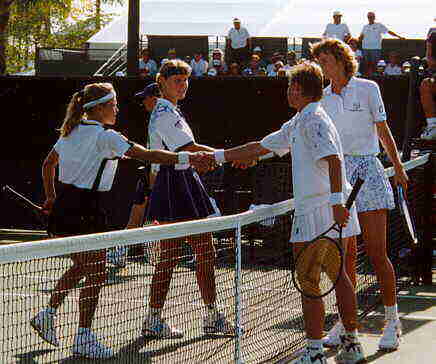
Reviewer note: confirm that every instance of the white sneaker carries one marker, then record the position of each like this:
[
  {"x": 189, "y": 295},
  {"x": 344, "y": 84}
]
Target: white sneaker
[
  {"x": 429, "y": 133},
  {"x": 391, "y": 335},
  {"x": 216, "y": 323},
  {"x": 311, "y": 356},
  {"x": 351, "y": 351},
  {"x": 87, "y": 345},
  {"x": 333, "y": 338},
  {"x": 43, "y": 324},
  {"x": 117, "y": 256},
  {"x": 156, "y": 327}
]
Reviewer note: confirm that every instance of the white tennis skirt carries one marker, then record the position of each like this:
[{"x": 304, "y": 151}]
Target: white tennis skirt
[{"x": 308, "y": 227}]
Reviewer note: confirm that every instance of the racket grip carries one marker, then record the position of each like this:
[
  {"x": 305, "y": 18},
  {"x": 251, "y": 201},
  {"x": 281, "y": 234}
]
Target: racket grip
[{"x": 354, "y": 192}]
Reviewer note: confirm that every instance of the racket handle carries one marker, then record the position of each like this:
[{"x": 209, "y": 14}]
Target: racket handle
[{"x": 354, "y": 192}]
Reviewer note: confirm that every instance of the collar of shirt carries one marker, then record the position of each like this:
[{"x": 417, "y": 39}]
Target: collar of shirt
[
  {"x": 309, "y": 108},
  {"x": 91, "y": 122}
]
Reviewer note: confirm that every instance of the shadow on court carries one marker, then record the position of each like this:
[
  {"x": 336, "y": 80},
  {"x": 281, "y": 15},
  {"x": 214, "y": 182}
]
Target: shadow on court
[{"x": 30, "y": 357}]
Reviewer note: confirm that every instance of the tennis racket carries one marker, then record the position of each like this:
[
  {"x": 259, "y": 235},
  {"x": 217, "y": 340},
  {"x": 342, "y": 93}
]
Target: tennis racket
[
  {"x": 318, "y": 266},
  {"x": 40, "y": 214},
  {"x": 405, "y": 215}
]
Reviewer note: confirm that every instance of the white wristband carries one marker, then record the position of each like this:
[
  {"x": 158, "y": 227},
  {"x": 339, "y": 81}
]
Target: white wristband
[
  {"x": 337, "y": 198},
  {"x": 219, "y": 156},
  {"x": 183, "y": 157}
]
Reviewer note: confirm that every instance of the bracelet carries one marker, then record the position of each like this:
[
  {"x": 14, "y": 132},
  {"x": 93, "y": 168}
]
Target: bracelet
[
  {"x": 337, "y": 198},
  {"x": 183, "y": 157},
  {"x": 219, "y": 156}
]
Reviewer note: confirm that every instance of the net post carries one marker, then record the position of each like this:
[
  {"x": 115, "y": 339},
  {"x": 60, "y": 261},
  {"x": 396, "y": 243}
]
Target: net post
[{"x": 238, "y": 281}]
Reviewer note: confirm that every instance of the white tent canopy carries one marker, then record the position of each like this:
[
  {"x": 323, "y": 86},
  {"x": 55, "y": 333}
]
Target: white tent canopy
[{"x": 299, "y": 18}]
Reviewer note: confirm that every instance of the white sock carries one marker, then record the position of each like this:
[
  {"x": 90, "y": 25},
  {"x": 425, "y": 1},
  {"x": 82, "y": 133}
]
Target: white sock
[
  {"x": 391, "y": 312},
  {"x": 51, "y": 310},
  {"x": 315, "y": 344},
  {"x": 83, "y": 330},
  {"x": 431, "y": 121}
]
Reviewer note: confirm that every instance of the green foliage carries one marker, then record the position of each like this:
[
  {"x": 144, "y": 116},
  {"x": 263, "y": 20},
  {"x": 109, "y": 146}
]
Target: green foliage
[{"x": 49, "y": 23}]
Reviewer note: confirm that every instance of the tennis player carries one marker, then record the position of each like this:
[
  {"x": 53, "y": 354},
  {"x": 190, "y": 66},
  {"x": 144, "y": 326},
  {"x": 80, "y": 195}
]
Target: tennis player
[
  {"x": 178, "y": 195},
  {"x": 86, "y": 154},
  {"x": 356, "y": 108},
  {"x": 320, "y": 190}
]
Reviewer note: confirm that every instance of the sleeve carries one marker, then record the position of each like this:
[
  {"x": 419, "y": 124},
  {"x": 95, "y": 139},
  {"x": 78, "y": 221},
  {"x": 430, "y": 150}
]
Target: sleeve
[
  {"x": 325, "y": 30},
  {"x": 347, "y": 30},
  {"x": 383, "y": 29},
  {"x": 376, "y": 105},
  {"x": 319, "y": 138},
  {"x": 58, "y": 145},
  {"x": 278, "y": 142},
  {"x": 114, "y": 143},
  {"x": 174, "y": 132}
]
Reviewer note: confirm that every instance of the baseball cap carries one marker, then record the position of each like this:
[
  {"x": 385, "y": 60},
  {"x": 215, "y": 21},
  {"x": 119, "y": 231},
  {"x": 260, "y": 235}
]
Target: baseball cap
[
  {"x": 236, "y": 20},
  {"x": 337, "y": 13},
  {"x": 150, "y": 90},
  {"x": 257, "y": 49},
  {"x": 381, "y": 63}
]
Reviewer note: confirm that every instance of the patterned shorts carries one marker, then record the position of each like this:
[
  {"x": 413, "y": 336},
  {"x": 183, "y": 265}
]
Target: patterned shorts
[{"x": 376, "y": 193}]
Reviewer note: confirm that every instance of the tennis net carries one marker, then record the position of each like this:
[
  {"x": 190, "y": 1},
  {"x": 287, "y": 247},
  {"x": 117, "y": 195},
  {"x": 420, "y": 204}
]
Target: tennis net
[{"x": 251, "y": 269}]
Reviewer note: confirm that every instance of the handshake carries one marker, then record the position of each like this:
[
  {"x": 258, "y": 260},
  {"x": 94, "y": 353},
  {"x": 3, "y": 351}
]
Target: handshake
[{"x": 204, "y": 162}]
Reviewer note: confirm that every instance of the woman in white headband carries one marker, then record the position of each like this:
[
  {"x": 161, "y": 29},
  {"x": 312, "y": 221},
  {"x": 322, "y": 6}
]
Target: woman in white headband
[{"x": 87, "y": 154}]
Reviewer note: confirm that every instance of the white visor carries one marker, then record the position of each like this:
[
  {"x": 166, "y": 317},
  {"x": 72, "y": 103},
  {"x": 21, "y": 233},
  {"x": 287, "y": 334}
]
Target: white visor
[{"x": 101, "y": 100}]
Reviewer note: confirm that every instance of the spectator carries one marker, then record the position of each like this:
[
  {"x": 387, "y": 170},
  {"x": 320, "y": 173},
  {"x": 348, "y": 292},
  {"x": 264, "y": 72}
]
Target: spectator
[
  {"x": 218, "y": 62},
  {"x": 380, "y": 70},
  {"x": 428, "y": 88},
  {"x": 253, "y": 68},
  {"x": 147, "y": 67},
  {"x": 258, "y": 52},
  {"x": 172, "y": 54},
  {"x": 337, "y": 29},
  {"x": 199, "y": 65},
  {"x": 291, "y": 60},
  {"x": 274, "y": 58},
  {"x": 371, "y": 38},
  {"x": 405, "y": 67},
  {"x": 394, "y": 66},
  {"x": 234, "y": 70},
  {"x": 238, "y": 42},
  {"x": 277, "y": 66}
]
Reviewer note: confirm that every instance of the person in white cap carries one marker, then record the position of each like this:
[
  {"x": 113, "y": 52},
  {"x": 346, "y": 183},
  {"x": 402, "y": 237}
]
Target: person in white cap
[
  {"x": 393, "y": 68},
  {"x": 238, "y": 42},
  {"x": 337, "y": 29},
  {"x": 258, "y": 52}
]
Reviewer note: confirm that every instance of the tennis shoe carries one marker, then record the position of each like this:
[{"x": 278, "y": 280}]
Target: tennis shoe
[
  {"x": 43, "y": 324},
  {"x": 216, "y": 323},
  {"x": 391, "y": 336},
  {"x": 117, "y": 256},
  {"x": 429, "y": 133},
  {"x": 333, "y": 338},
  {"x": 86, "y": 345},
  {"x": 156, "y": 327},
  {"x": 351, "y": 351},
  {"x": 311, "y": 356}
]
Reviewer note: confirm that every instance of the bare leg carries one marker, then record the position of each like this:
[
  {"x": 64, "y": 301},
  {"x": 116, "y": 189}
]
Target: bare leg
[
  {"x": 428, "y": 92},
  {"x": 350, "y": 260},
  {"x": 373, "y": 225}
]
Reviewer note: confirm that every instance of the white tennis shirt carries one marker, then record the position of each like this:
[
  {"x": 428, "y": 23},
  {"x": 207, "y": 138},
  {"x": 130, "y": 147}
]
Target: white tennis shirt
[
  {"x": 355, "y": 112},
  {"x": 337, "y": 31},
  {"x": 83, "y": 150},
  {"x": 168, "y": 129},
  {"x": 372, "y": 35},
  {"x": 310, "y": 136},
  {"x": 238, "y": 37}
]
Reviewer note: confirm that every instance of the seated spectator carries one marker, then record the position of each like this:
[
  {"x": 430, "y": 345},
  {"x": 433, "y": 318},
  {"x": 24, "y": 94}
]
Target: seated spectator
[
  {"x": 199, "y": 65},
  {"x": 147, "y": 67},
  {"x": 217, "y": 62},
  {"x": 258, "y": 52},
  {"x": 172, "y": 54},
  {"x": 234, "y": 70},
  {"x": 277, "y": 66},
  {"x": 188, "y": 59},
  {"x": 253, "y": 68},
  {"x": 394, "y": 66},
  {"x": 380, "y": 69},
  {"x": 405, "y": 67},
  {"x": 291, "y": 60},
  {"x": 354, "y": 45},
  {"x": 274, "y": 58}
]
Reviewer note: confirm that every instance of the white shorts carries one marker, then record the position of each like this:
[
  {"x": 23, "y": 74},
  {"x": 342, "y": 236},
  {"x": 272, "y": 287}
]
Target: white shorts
[{"x": 308, "y": 227}]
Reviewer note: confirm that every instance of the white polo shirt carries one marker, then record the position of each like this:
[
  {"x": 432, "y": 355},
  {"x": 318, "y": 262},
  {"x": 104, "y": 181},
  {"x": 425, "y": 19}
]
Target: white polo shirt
[
  {"x": 355, "y": 112},
  {"x": 238, "y": 37},
  {"x": 199, "y": 69},
  {"x": 372, "y": 35},
  {"x": 337, "y": 31},
  {"x": 392, "y": 70},
  {"x": 310, "y": 136},
  {"x": 168, "y": 129},
  {"x": 83, "y": 150}
]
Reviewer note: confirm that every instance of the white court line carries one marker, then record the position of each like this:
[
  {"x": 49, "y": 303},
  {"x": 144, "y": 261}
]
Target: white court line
[{"x": 406, "y": 316}]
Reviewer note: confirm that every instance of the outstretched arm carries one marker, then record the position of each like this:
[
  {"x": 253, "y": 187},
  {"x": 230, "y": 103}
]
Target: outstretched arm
[
  {"x": 48, "y": 177},
  {"x": 249, "y": 151}
]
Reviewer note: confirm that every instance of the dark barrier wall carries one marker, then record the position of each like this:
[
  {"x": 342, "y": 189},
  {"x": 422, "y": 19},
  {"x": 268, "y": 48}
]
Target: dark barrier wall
[{"x": 222, "y": 113}]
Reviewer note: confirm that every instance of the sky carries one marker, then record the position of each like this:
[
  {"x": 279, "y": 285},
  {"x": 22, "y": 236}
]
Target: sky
[{"x": 409, "y": 18}]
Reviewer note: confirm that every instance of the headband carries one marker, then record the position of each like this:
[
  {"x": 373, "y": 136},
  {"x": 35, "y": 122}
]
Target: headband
[
  {"x": 101, "y": 100},
  {"x": 175, "y": 71}
]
